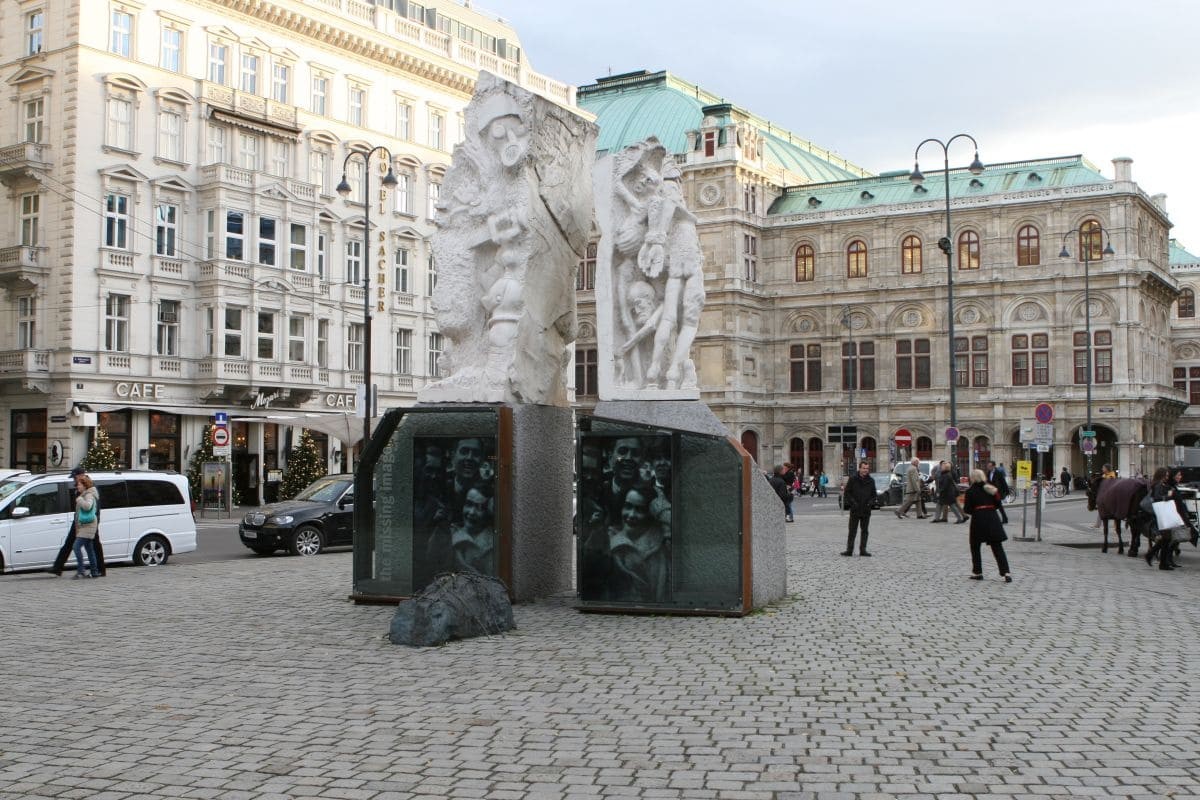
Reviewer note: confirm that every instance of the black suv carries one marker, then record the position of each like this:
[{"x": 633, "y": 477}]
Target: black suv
[{"x": 318, "y": 517}]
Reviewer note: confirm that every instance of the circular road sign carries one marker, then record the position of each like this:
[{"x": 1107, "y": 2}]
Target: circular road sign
[
  {"x": 1088, "y": 446},
  {"x": 903, "y": 437},
  {"x": 1044, "y": 413},
  {"x": 951, "y": 434},
  {"x": 220, "y": 437}
]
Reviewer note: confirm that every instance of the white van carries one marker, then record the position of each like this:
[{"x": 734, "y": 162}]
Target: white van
[{"x": 145, "y": 517}]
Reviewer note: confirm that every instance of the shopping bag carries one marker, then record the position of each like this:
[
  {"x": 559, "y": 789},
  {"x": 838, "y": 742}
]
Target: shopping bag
[{"x": 1166, "y": 515}]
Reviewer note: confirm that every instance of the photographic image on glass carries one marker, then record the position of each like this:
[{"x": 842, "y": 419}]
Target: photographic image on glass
[
  {"x": 624, "y": 518},
  {"x": 454, "y": 506}
]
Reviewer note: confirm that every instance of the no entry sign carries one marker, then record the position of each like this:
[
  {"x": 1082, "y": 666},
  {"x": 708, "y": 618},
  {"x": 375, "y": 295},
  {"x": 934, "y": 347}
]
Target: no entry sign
[
  {"x": 903, "y": 438},
  {"x": 220, "y": 437}
]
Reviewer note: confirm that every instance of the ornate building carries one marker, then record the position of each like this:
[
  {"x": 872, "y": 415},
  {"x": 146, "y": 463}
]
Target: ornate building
[
  {"x": 827, "y": 294},
  {"x": 174, "y": 244}
]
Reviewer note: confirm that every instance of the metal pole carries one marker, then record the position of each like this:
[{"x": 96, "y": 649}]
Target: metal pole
[
  {"x": 364, "y": 266},
  {"x": 848, "y": 320},
  {"x": 1041, "y": 494},
  {"x": 1087, "y": 316},
  {"x": 950, "y": 306}
]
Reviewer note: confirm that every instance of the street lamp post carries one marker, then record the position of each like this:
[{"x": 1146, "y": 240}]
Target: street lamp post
[
  {"x": 343, "y": 188},
  {"x": 1089, "y": 230},
  {"x": 848, "y": 321},
  {"x": 946, "y": 245}
]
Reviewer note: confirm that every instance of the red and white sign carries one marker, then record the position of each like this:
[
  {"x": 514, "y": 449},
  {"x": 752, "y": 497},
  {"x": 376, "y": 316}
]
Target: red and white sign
[
  {"x": 220, "y": 437},
  {"x": 903, "y": 437}
]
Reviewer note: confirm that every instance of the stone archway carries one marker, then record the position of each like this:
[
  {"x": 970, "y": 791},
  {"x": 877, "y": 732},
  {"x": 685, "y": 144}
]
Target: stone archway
[{"x": 750, "y": 442}]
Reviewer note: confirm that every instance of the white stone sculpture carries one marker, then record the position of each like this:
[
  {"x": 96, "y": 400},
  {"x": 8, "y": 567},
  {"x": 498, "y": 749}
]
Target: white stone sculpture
[
  {"x": 513, "y": 221},
  {"x": 649, "y": 276}
]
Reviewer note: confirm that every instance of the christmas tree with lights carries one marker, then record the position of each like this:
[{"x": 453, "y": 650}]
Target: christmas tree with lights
[
  {"x": 101, "y": 456},
  {"x": 304, "y": 466}
]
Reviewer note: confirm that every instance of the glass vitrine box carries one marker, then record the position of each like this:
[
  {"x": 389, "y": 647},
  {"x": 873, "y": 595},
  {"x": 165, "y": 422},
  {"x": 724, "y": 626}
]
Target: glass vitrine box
[
  {"x": 440, "y": 482},
  {"x": 661, "y": 520}
]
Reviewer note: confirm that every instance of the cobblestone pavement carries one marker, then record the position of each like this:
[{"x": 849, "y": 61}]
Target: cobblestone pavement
[{"x": 892, "y": 676}]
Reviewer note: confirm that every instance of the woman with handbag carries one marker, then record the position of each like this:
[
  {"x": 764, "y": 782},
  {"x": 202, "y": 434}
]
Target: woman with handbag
[
  {"x": 87, "y": 526},
  {"x": 1162, "y": 542},
  {"x": 982, "y": 504}
]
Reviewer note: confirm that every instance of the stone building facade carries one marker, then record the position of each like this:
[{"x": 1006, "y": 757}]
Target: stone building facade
[
  {"x": 828, "y": 295},
  {"x": 174, "y": 245}
]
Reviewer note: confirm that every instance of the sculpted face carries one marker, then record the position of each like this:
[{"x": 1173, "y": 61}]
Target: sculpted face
[
  {"x": 510, "y": 137},
  {"x": 641, "y": 302},
  {"x": 644, "y": 181}
]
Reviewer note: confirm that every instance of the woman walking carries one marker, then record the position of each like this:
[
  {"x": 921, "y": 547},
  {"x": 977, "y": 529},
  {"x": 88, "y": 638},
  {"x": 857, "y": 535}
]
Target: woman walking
[
  {"x": 982, "y": 504},
  {"x": 87, "y": 527},
  {"x": 1161, "y": 490}
]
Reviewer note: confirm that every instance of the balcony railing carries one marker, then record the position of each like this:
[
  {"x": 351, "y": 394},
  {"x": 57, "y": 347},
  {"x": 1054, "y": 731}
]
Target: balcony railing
[
  {"x": 22, "y": 265},
  {"x": 24, "y": 362},
  {"x": 16, "y": 159},
  {"x": 229, "y": 175}
]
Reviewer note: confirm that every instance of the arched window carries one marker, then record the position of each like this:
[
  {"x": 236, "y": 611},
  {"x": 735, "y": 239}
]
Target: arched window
[
  {"x": 910, "y": 255},
  {"x": 1187, "y": 304},
  {"x": 805, "y": 263},
  {"x": 750, "y": 442},
  {"x": 816, "y": 456},
  {"x": 1091, "y": 241},
  {"x": 968, "y": 250},
  {"x": 924, "y": 448},
  {"x": 856, "y": 259},
  {"x": 1029, "y": 247}
]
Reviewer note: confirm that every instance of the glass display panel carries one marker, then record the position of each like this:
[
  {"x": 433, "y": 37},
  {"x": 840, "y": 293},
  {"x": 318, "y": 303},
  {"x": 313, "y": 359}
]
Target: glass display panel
[
  {"x": 624, "y": 513},
  {"x": 659, "y": 518},
  {"x": 423, "y": 465},
  {"x": 454, "y": 506}
]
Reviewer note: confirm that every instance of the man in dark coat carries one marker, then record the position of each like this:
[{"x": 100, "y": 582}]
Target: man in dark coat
[
  {"x": 996, "y": 477},
  {"x": 780, "y": 485},
  {"x": 858, "y": 498},
  {"x": 1065, "y": 480}
]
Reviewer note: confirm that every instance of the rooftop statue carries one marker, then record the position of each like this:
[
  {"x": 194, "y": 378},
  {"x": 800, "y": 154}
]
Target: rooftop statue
[
  {"x": 513, "y": 221},
  {"x": 650, "y": 281}
]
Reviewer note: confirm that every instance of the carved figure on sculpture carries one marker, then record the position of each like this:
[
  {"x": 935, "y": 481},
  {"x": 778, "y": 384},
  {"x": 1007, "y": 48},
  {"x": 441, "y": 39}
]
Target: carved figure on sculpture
[
  {"x": 658, "y": 281},
  {"x": 507, "y": 246}
]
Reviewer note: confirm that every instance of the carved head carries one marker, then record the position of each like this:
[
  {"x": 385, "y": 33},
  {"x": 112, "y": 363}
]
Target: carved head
[
  {"x": 502, "y": 129},
  {"x": 642, "y": 301}
]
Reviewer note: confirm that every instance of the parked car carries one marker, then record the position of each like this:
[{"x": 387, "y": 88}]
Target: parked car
[
  {"x": 145, "y": 517},
  {"x": 316, "y": 518},
  {"x": 883, "y": 489}
]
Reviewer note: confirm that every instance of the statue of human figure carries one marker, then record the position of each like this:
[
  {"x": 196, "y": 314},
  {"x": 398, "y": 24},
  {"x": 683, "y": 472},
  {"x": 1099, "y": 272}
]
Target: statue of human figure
[
  {"x": 657, "y": 249},
  {"x": 512, "y": 224}
]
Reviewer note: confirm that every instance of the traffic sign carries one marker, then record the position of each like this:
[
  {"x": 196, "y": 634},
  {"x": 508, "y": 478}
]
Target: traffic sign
[
  {"x": 1044, "y": 413},
  {"x": 1088, "y": 446},
  {"x": 951, "y": 434},
  {"x": 220, "y": 437},
  {"x": 1087, "y": 434},
  {"x": 221, "y": 419},
  {"x": 1043, "y": 435},
  {"x": 903, "y": 437}
]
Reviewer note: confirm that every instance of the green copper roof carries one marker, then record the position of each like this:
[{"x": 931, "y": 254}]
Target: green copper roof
[
  {"x": 890, "y": 188},
  {"x": 1180, "y": 255},
  {"x": 635, "y": 105}
]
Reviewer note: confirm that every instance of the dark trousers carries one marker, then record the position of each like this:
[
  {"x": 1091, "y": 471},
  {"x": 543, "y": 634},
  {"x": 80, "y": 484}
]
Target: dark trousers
[
  {"x": 1003, "y": 513},
  {"x": 65, "y": 551},
  {"x": 858, "y": 521},
  {"x": 977, "y": 558}
]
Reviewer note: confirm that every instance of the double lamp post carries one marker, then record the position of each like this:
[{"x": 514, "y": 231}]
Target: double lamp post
[
  {"x": 389, "y": 182},
  {"x": 1090, "y": 235},
  {"x": 946, "y": 245}
]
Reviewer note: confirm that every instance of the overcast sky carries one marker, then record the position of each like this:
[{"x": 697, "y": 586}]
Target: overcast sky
[{"x": 870, "y": 80}]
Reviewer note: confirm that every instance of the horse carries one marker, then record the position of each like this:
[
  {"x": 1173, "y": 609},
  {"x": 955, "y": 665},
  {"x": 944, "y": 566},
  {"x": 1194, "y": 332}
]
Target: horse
[{"x": 1119, "y": 500}]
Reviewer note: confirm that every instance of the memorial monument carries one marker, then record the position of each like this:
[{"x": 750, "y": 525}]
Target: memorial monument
[
  {"x": 673, "y": 515},
  {"x": 477, "y": 477}
]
